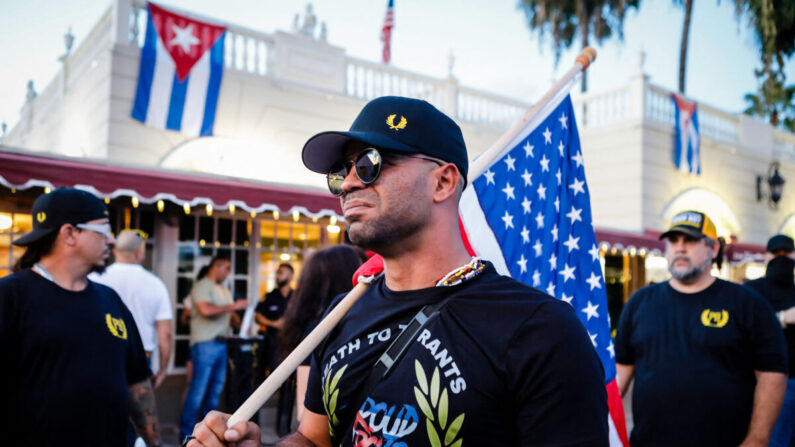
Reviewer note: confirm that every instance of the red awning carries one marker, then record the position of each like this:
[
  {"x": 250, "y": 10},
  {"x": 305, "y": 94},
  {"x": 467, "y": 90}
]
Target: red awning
[
  {"x": 648, "y": 241},
  {"x": 24, "y": 170},
  {"x": 737, "y": 253}
]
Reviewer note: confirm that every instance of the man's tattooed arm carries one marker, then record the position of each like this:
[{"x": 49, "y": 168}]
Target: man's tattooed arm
[{"x": 144, "y": 413}]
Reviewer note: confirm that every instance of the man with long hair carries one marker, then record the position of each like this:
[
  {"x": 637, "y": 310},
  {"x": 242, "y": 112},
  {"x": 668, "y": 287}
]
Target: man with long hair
[{"x": 75, "y": 369}]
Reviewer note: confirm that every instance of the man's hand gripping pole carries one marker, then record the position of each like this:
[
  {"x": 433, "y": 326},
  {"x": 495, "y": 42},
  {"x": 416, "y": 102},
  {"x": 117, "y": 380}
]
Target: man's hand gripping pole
[{"x": 361, "y": 279}]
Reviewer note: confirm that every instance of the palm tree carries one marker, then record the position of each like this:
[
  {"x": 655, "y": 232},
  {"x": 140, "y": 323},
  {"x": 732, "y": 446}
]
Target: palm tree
[
  {"x": 688, "y": 4},
  {"x": 563, "y": 19}
]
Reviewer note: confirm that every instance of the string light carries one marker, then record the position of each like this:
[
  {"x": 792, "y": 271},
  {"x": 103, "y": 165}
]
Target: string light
[
  {"x": 333, "y": 220},
  {"x": 275, "y": 215},
  {"x": 231, "y": 208},
  {"x": 135, "y": 202},
  {"x": 253, "y": 215},
  {"x": 209, "y": 209},
  {"x": 186, "y": 208},
  {"x": 296, "y": 215},
  {"x": 47, "y": 190},
  {"x": 161, "y": 205}
]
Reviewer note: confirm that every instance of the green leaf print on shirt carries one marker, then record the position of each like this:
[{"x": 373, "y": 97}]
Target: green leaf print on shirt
[{"x": 434, "y": 405}]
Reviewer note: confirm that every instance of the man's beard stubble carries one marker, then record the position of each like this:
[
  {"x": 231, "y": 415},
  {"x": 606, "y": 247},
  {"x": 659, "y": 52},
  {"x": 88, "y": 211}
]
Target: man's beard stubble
[
  {"x": 690, "y": 274},
  {"x": 385, "y": 233}
]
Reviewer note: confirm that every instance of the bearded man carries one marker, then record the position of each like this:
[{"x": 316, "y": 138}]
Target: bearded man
[{"x": 707, "y": 355}]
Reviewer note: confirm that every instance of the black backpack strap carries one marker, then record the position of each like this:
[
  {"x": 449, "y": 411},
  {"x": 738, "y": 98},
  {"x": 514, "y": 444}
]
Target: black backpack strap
[{"x": 392, "y": 356}]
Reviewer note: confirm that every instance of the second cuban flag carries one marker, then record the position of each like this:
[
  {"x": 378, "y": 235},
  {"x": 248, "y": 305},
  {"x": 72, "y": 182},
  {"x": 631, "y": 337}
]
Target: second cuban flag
[
  {"x": 687, "y": 138},
  {"x": 182, "y": 63}
]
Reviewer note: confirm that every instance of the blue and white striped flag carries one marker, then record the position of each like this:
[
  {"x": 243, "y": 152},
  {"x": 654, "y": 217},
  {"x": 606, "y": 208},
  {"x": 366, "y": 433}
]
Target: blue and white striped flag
[{"x": 179, "y": 79}]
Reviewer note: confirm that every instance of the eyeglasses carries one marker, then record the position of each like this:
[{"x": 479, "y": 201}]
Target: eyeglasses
[
  {"x": 368, "y": 164},
  {"x": 102, "y": 229}
]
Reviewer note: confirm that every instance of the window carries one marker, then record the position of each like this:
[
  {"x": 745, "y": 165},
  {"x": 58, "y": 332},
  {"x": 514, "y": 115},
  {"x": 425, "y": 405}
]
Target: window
[{"x": 12, "y": 226}]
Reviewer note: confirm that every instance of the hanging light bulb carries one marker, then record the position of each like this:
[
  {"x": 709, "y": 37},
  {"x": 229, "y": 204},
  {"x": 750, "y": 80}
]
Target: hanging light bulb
[
  {"x": 107, "y": 200},
  {"x": 275, "y": 215},
  {"x": 186, "y": 207},
  {"x": 253, "y": 214},
  {"x": 231, "y": 208},
  {"x": 209, "y": 209},
  {"x": 161, "y": 206},
  {"x": 135, "y": 202},
  {"x": 296, "y": 215},
  {"x": 47, "y": 190}
]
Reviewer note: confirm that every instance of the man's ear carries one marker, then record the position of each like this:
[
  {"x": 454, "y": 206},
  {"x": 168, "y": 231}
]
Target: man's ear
[
  {"x": 446, "y": 179},
  {"x": 68, "y": 234}
]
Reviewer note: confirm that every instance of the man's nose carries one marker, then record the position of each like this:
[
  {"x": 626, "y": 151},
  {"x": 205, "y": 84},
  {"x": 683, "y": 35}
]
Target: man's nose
[{"x": 351, "y": 181}]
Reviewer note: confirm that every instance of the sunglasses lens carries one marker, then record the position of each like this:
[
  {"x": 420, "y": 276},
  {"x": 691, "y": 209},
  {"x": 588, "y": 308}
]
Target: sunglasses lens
[
  {"x": 335, "y": 177},
  {"x": 368, "y": 166}
]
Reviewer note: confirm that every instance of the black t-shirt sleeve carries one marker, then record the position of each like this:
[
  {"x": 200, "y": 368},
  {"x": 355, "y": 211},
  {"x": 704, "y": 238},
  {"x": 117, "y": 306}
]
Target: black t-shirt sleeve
[
  {"x": 313, "y": 401},
  {"x": 557, "y": 381},
  {"x": 137, "y": 368},
  {"x": 768, "y": 338},
  {"x": 625, "y": 353}
]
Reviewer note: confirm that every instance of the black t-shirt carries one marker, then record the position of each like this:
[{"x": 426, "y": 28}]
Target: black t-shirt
[
  {"x": 695, "y": 357},
  {"x": 273, "y": 306},
  {"x": 68, "y": 358},
  {"x": 502, "y": 364},
  {"x": 781, "y": 296}
]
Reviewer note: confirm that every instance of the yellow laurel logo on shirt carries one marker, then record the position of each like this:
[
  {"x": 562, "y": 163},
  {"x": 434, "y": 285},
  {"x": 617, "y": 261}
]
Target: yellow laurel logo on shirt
[
  {"x": 41, "y": 217},
  {"x": 116, "y": 327},
  {"x": 717, "y": 319},
  {"x": 390, "y": 121}
]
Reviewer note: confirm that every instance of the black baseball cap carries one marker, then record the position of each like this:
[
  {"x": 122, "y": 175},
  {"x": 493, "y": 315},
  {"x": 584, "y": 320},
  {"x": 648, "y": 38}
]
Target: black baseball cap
[
  {"x": 692, "y": 223},
  {"x": 780, "y": 242},
  {"x": 62, "y": 206},
  {"x": 393, "y": 123}
]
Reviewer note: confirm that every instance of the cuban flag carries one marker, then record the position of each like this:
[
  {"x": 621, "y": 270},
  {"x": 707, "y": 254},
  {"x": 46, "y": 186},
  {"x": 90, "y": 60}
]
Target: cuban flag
[
  {"x": 179, "y": 79},
  {"x": 687, "y": 139},
  {"x": 529, "y": 213}
]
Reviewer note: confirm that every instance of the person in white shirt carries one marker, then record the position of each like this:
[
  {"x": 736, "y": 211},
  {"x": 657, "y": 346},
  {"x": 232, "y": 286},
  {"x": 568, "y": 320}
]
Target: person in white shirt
[{"x": 144, "y": 294}]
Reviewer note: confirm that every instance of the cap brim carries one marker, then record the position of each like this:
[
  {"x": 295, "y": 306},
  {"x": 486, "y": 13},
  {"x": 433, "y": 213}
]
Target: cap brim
[
  {"x": 692, "y": 232},
  {"x": 326, "y": 148},
  {"x": 32, "y": 237}
]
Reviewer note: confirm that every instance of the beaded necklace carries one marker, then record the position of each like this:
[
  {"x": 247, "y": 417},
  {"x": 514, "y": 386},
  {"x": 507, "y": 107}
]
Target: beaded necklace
[{"x": 464, "y": 273}]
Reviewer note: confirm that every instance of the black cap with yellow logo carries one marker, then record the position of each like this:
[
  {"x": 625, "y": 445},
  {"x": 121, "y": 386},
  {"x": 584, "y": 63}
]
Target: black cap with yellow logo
[
  {"x": 397, "y": 124},
  {"x": 62, "y": 206},
  {"x": 692, "y": 223}
]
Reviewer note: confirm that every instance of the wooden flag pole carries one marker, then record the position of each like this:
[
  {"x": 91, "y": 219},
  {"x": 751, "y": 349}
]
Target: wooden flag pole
[
  {"x": 485, "y": 160},
  {"x": 302, "y": 351}
]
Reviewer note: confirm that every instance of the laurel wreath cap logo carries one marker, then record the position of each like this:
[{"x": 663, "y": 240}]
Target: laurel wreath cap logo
[
  {"x": 41, "y": 217},
  {"x": 390, "y": 121}
]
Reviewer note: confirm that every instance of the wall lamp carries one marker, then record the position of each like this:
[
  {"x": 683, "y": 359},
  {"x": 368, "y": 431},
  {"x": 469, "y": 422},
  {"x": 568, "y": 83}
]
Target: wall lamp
[{"x": 775, "y": 183}]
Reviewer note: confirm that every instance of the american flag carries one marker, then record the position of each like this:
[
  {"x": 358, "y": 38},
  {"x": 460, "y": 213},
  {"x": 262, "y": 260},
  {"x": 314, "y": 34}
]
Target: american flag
[
  {"x": 530, "y": 214},
  {"x": 386, "y": 32}
]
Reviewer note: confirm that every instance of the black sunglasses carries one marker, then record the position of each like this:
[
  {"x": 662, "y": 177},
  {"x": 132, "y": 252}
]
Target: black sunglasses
[{"x": 368, "y": 165}]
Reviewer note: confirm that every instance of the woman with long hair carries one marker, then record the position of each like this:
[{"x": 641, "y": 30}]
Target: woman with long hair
[{"x": 325, "y": 274}]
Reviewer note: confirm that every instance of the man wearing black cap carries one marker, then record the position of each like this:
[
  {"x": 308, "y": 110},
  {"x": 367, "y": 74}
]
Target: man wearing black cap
[
  {"x": 706, "y": 354},
  {"x": 778, "y": 287},
  {"x": 74, "y": 367},
  {"x": 499, "y": 364}
]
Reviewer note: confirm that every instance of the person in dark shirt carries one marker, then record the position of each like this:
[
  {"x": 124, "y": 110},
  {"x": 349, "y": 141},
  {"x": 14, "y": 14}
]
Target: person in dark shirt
[
  {"x": 778, "y": 287},
  {"x": 269, "y": 314},
  {"x": 707, "y": 355},
  {"x": 270, "y": 310},
  {"x": 500, "y": 363},
  {"x": 75, "y": 368}
]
